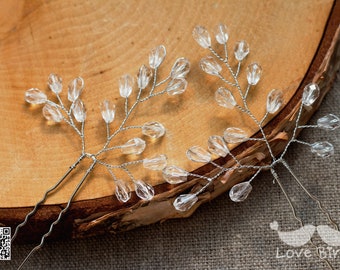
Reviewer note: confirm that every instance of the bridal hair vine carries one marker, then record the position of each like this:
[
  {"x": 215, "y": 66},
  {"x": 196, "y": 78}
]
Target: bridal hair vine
[{"x": 233, "y": 95}]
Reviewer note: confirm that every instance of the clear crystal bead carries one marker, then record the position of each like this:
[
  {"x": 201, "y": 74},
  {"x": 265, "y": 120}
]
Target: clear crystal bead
[
  {"x": 184, "y": 202},
  {"x": 222, "y": 33},
  {"x": 310, "y": 93},
  {"x": 35, "y": 96},
  {"x": 176, "y": 86},
  {"x": 329, "y": 121},
  {"x": 144, "y": 77},
  {"x": 51, "y": 113},
  {"x": 240, "y": 192},
  {"x": 274, "y": 101},
  {"x": 108, "y": 110},
  {"x": 217, "y": 146},
  {"x": 323, "y": 149},
  {"x": 254, "y": 72},
  {"x": 125, "y": 85},
  {"x": 225, "y": 98},
  {"x": 201, "y": 35},
  {"x": 156, "y": 163},
  {"x": 134, "y": 146},
  {"x": 174, "y": 175},
  {"x": 144, "y": 190},
  {"x": 235, "y": 135},
  {"x": 55, "y": 83},
  {"x": 75, "y": 88},
  {"x": 198, "y": 154},
  {"x": 78, "y": 110},
  {"x": 210, "y": 66},
  {"x": 157, "y": 56},
  {"x": 241, "y": 50},
  {"x": 180, "y": 69},
  {"x": 153, "y": 129},
  {"x": 122, "y": 191}
]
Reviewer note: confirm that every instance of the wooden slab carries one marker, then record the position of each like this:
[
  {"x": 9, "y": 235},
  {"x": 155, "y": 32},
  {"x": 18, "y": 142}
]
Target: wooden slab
[{"x": 294, "y": 42}]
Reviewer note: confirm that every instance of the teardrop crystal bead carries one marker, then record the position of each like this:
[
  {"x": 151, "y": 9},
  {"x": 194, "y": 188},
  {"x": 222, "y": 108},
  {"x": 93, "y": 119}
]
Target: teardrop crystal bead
[
  {"x": 222, "y": 34},
  {"x": 241, "y": 50},
  {"x": 210, "y": 66},
  {"x": 144, "y": 190},
  {"x": 180, "y": 69},
  {"x": 125, "y": 85},
  {"x": 108, "y": 110},
  {"x": 144, "y": 77},
  {"x": 51, "y": 113},
  {"x": 174, "y": 175},
  {"x": 217, "y": 146},
  {"x": 153, "y": 129},
  {"x": 198, "y": 154},
  {"x": 274, "y": 101},
  {"x": 55, "y": 83},
  {"x": 225, "y": 98},
  {"x": 156, "y": 163},
  {"x": 122, "y": 191},
  {"x": 254, "y": 72},
  {"x": 185, "y": 201},
  {"x": 329, "y": 121},
  {"x": 240, "y": 192},
  {"x": 35, "y": 96},
  {"x": 78, "y": 110},
  {"x": 235, "y": 135},
  {"x": 75, "y": 88},
  {"x": 157, "y": 56},
  {"x": 310, "y": 93},
  {"x": 134, "y": 146},
  {"x": 176, "y": 86},
  {"x": 323, "y": 149},
  {"x": 202, "y": 37}
]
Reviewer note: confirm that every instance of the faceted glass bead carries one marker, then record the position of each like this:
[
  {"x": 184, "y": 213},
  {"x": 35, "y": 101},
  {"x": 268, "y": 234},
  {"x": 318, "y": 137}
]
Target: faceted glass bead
[
  {"x": 323, "y": 149},
  {"x": 225, "y": 98},
  {"x": 217, "y": 146},
  {"x": 125, "y": 85},
  {"x": 153, "y": 129},
  {"x": 241, "y": 50},
  {"x": 174, "y": 175},
  {"x": 210, "y": 66},
  {"x": 254, "y": 72},
  {"x": 185, "y": 201},
  {"x": 144, "y": 190},
  {"x": 144, "y": 77},
  {"x": 122, "y": 191},
  {"x": 156, "y": 163},
  {"x": 201, "y": 35},
  {"x": 310, "y": 93},
  {"x": 180, "y": 69},
  {"x": 176, "y": 86},
  {"x": 134, "y": 146},
  {"x": 235, "y": 135},
  {"x": 35, "y": 96},
  {"x": 274, "y": 101},
  {"x": 51, "y": 113},
  {"x": 329, "y": 121},
  {"x": 78, "y": 110},
  {"x": 75, "y": 88},
  {"x": 198, "y": 154},
  {"x": 240, "y": 192},
  {"x": 157, "y": 56},
  {"x": 55, "y": 83},
  {"x": 108, "y": 110},
  {"x": 222, "y": 33}
]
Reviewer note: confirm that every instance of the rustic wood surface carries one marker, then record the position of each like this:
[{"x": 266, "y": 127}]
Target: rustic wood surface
[{"x": 100, "y": 41}]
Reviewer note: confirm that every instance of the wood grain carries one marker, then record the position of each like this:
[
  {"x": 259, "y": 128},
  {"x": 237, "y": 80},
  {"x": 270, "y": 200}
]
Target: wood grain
[{"x": 100, "y": 41}]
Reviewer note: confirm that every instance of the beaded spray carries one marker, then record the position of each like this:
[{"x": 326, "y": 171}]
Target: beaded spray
[{"x": 148, "y": 87}]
